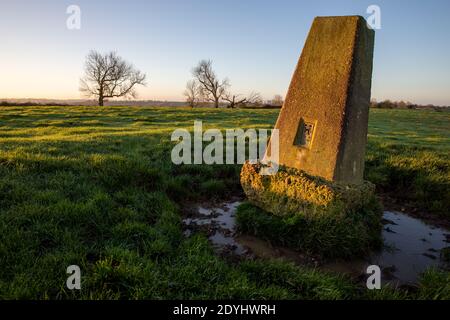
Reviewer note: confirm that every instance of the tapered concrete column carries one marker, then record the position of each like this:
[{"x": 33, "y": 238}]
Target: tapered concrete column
[{"x": 323, "y": 122}]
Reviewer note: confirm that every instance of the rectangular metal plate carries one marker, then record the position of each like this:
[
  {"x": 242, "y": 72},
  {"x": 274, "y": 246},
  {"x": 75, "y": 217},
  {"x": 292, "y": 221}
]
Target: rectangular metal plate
[{"x": 305, "y": 133}]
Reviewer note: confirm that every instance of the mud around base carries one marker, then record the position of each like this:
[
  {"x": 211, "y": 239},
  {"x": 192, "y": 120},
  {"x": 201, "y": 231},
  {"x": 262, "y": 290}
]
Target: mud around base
[{"x": 308, "y": 213}]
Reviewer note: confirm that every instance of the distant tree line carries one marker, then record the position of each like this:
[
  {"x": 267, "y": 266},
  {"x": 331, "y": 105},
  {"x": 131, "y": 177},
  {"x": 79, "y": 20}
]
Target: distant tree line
[
  {"x": 388, "y": 104},
  {"x": 31, "y": 104}
]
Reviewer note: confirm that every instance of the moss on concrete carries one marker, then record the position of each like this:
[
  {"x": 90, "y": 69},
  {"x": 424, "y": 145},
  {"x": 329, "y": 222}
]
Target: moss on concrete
[
  {"x": 292, "y": 192},
  {"x": 307, "y": 213}
]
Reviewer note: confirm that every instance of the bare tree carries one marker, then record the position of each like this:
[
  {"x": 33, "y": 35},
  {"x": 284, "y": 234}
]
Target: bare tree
[
  {"x": 210, "y": 87},
  {"x": 109, "y": 76},
  {"x": 254, "y": 98},
  {"x": 234, "y": 100},
  {"x": 192, "y": 93},
  {"x": 277, "y": 100}
]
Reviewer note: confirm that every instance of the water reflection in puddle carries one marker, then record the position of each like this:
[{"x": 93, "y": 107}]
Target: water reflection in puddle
[
  {"x": 222, "y": 220},
  {"x": 410, "y": 246}
]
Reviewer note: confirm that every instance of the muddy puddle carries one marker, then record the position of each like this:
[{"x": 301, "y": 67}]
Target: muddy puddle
[
  {"x": 410, "y": 245},
  {"x": 220, "y": 224}
]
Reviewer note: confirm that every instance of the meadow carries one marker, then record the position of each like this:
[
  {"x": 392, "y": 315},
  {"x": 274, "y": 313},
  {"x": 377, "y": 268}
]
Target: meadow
[{"x": 95, "y": 187}]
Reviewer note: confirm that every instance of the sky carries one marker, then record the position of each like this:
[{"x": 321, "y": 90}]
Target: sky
[{"x": 255, "y": 44}]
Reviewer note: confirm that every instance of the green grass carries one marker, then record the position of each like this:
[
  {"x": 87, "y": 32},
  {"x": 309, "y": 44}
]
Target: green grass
[
  {"x": 408, "y": 157},
  {"x": 95, "y": 187},
  {"x": 348, "y": 235}
]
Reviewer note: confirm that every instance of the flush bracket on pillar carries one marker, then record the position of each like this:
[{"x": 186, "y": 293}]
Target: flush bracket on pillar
[{"x": 305, "y": 133}]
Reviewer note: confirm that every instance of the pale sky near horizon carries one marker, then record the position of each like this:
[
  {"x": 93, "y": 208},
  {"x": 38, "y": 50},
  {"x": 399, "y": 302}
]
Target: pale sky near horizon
[{"x": 256, "y": 44}]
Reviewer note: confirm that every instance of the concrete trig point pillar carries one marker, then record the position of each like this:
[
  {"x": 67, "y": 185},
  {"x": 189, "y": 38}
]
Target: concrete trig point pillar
[{"x": 322, "y": 125}]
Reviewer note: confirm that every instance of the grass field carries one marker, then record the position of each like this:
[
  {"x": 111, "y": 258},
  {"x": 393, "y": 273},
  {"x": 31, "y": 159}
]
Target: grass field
[{"x": 96, "y": 187}]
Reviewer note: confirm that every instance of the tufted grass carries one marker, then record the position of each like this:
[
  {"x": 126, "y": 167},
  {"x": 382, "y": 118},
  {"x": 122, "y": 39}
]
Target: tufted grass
[{"x": 96, "y": 187}]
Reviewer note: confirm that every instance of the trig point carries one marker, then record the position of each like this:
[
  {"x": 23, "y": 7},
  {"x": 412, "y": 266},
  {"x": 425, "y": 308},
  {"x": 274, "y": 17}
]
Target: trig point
[{"x": 322, "y": 125}]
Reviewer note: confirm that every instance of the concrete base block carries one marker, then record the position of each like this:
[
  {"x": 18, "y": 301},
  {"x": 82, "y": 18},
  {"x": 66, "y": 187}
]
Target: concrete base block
[{"x": 293, "y": 192}]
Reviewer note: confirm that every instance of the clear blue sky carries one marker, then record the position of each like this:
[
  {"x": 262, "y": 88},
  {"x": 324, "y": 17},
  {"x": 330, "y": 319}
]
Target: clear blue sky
[{"x": 255, "y": 44}]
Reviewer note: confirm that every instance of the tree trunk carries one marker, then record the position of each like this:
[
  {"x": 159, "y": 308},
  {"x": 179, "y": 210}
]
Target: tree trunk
[
  {"x": 100, "y": 101},
  {"x": 216, "y": 103}
]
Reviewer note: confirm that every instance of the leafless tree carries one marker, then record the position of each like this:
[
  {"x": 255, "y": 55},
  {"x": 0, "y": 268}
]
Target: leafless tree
[
  {"x": 254, "y": 98},
  {"x": 235, "y": 100},
  {"x": 109, "y": 76},
  {"x": 192, "y": 93},
  {"x": 210, "y": 87},
  {"x": 277, "y": 100}
]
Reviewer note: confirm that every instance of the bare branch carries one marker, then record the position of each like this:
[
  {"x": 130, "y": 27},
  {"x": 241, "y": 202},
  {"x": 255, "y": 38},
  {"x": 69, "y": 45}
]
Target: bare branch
[
  {"x": 192, "y": 93},
  {"x": 277, "y": 100},
  {"x": 234, "y": 100}
]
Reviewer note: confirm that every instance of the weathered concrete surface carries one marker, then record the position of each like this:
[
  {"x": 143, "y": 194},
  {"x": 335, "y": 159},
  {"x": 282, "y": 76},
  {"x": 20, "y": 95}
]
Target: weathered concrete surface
[
  {"x": 323, "y": 122},
  {"x": 322, "y": 129},
  {"x": 293, "y": 192}
]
